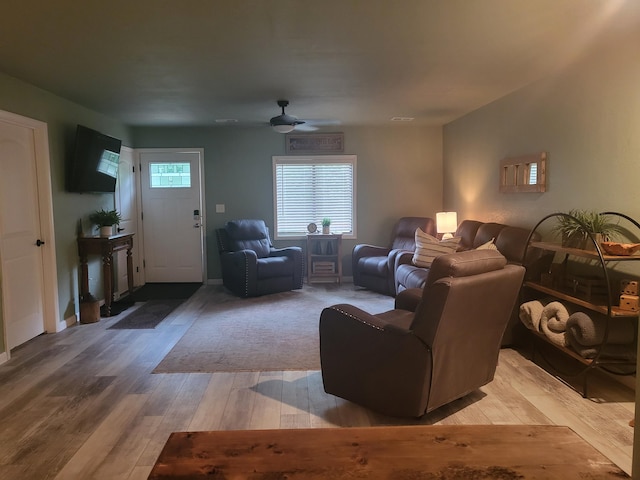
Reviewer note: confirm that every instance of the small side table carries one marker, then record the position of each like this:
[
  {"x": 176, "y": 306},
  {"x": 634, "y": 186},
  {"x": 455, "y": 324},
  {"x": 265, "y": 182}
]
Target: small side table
[
  {"x": 324, "y": 257},
  {"x": 106, "y": 247}
]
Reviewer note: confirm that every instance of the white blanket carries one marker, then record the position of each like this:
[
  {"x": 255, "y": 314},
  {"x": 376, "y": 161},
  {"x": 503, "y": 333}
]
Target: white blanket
[
  {"x": 553, "y": 322},
  {"x": 530, "y": 314}
]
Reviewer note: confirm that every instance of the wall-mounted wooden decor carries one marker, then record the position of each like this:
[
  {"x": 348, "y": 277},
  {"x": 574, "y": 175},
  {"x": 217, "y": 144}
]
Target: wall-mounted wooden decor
[
  {"x": 314, "y": 143},
  {"x": 526, "y": 173}
]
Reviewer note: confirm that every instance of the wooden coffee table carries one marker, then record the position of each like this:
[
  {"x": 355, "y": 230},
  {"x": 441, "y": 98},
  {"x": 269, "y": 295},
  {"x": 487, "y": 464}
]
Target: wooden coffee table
[{"x": 501, "y": 452}]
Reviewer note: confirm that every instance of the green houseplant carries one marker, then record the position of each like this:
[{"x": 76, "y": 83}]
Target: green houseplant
[
  {"x": 575, "y": 226},
  {"x": 105, "y": 220},
  {"x": 326, "y": 223}
]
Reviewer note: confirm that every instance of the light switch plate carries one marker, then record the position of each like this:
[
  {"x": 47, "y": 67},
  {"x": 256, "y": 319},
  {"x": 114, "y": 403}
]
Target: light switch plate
[{"x": 220, "y": 208}]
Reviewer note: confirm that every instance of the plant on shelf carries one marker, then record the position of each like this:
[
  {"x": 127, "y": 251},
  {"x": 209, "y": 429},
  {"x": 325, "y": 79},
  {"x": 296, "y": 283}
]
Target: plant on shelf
[
  {"x": 105, "y": 220},
  {"x": 326, "y": 223},
  {"x": 576, "y": 226}
]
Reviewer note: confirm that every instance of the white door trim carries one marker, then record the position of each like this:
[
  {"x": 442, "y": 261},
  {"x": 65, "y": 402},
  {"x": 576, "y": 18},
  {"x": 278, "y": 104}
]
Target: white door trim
[
  {"x": 137, "y": 244},
  {"x": 203, "y": 213},
  {"x": 50, "y": 302}
]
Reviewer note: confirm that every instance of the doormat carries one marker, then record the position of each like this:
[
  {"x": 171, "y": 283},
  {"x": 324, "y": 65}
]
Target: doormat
[
  {"x": 149, "y": 315},
  {"x": 155, "y": 291}
]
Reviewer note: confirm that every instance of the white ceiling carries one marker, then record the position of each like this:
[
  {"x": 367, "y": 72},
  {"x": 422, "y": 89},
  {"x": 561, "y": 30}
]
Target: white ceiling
[{"x": 348, "y": 62}]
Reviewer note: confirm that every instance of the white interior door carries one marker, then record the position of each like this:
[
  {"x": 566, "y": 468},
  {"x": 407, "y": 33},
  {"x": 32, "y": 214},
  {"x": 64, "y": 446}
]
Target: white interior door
[
  {"x": 126, "y": 204},
  {"x": 20, "y": 240},
  {"x": 172, "y": 215}
]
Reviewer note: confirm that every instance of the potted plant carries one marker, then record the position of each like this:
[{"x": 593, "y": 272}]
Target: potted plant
[
  {"x": 326, "y": 223},
  {"x": 105, "y": 220},
  {"x": 576, "y": 227}
]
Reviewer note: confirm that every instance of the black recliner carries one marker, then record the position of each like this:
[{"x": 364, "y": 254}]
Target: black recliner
[{"x": 251, "y": 266}]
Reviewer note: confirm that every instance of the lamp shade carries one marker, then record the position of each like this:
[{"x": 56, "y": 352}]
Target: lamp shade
[{"x": 446, "y": 222}]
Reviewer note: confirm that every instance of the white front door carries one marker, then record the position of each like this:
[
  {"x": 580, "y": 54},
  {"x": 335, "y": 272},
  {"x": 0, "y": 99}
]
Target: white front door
[
  {"x": 126, "y": 205},
  {"x": 172, "y": 215},
  {"x": 22, "y": 240}
]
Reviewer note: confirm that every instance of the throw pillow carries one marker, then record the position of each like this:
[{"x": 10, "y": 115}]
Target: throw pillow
[
  {"x": 488, "y": 246},
  {"x": 429, "y": 247}
]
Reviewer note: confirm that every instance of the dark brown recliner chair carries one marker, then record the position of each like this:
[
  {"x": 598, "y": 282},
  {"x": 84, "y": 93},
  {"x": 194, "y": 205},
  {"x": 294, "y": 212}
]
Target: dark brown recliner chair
[
  {"x": 251, "y": 266},
  {"x": 374, "y": 267},
  {"x": 402, "y": 363}
]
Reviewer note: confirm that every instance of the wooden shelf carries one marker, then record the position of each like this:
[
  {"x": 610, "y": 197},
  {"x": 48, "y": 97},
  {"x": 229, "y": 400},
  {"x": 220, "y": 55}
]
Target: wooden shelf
[
  {"x": 577, "y": 252},
  {"x": 600, "y": 307},
  {"x": 573, "y": 354},
  {"x": 590, "y": 295}
]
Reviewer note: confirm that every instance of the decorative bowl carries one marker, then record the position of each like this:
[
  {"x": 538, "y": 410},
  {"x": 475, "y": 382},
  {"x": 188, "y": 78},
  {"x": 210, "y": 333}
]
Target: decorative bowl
[{"x": 624, "y": 249}]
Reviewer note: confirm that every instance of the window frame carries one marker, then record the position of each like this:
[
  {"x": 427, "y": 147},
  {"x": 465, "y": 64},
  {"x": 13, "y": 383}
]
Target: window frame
[{"x": 317, "y": 160}]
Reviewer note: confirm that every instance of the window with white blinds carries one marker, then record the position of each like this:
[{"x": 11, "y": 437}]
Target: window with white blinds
[{"x": 308, "y": 189}]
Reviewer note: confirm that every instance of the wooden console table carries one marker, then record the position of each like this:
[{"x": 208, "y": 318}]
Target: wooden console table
[{"x": 105, "y": 246}]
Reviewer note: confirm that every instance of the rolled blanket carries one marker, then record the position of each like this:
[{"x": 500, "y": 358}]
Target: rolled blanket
[
  {"x": 530, "y": 313},
  {"x": 588, "y": 330},
  {"x": 553, "y": 322}
]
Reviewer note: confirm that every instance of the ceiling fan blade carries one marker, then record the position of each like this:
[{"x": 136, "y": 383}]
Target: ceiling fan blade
[
  {"x": 306, "y": 128},
  {"x": 323, "y": 123}
]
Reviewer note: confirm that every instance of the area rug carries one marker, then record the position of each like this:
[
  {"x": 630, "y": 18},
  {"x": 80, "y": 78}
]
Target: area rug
[
  {"x": 269, "y": 333},
  {"x": 160, "y": 299},
  {"x": 443, "y": 452}
]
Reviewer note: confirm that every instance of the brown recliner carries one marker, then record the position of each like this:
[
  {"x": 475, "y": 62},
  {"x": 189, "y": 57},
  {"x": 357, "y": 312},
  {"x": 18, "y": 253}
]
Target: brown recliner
[
  {"x": 373, "y": 267},
  {"x": 404, "y": 363}
]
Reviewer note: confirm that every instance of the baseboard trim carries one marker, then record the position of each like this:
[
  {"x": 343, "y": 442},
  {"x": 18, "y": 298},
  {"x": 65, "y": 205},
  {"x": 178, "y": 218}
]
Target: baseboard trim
[
  {"x": 4, "y": 357},
  {"x": 72, "y": 320}
]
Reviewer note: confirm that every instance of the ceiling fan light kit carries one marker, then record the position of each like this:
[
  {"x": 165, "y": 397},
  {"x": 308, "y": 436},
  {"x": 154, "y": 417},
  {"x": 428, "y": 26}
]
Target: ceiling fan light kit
[
  {"x": 283, "y": 128},
  {"x": 284, "y": 123}
]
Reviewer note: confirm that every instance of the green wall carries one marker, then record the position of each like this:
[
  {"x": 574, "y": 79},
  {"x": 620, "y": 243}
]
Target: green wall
[
  {"x": 61, "y": 117},
  {"x": 587, "y": 117},
  {"x": 399, "y": 173}
]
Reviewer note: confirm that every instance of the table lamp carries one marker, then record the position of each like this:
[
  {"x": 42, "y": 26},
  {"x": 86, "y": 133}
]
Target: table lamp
[{"x": 446, "y": 223}]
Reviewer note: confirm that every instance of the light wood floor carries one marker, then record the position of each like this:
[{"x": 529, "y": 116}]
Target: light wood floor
[{"x": 83, "y": 404}]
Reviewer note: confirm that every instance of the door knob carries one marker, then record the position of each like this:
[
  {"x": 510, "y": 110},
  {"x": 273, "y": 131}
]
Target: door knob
[
  {"x": 196, "y": 225},
  {"x": 119, "y": 229},
  {"x": 39, "y": 243}
]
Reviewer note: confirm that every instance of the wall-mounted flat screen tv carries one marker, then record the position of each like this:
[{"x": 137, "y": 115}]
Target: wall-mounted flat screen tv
[{"x": 93, "y": 164}]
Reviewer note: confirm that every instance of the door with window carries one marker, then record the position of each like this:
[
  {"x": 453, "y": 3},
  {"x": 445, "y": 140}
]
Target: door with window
[{"x": 172, "y": 215}]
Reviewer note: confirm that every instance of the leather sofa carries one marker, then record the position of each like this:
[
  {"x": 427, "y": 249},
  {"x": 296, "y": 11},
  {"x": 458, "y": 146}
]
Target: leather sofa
[
  {"x": 509, "y": 241},
  {"x": 373, "y": 266}
]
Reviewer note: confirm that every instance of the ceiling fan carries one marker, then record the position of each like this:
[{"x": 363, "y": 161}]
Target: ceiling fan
[{"x": 284, "y": 123}]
